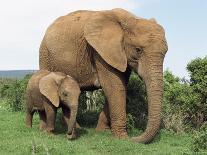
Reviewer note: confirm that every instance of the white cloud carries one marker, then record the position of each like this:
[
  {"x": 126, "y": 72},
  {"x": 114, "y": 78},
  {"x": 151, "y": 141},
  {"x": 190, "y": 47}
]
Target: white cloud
[{"x": 23, "y": 23}]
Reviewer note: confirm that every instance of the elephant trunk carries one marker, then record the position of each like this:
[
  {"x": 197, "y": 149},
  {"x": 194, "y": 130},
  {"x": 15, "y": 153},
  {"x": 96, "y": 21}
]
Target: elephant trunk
[
  {"x": 153, "y": 78},
  {"x": 72, "y": 120}
]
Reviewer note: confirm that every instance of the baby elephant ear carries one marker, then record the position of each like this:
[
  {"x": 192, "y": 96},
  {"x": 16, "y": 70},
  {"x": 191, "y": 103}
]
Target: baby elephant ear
[{"x": 48, "y": 86}]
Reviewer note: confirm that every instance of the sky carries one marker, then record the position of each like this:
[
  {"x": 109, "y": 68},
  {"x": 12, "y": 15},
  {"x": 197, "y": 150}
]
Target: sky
[{"x": 24, "y": 22}]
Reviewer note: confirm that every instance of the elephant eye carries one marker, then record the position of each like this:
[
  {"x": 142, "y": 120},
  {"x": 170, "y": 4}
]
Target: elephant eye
[
  {"x": 65, "y": 94},
  {"x": 138, "y": 50}
]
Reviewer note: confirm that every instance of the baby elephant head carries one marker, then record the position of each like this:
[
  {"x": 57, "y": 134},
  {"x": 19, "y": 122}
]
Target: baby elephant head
[{"x": 58, "y": 87}]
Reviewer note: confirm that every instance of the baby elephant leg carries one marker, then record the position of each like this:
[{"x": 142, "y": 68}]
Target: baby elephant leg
[
  {"x": 42, "y": 116},
  {"x": 50, "y": 111},
  {"x": 29, "y": 116}
]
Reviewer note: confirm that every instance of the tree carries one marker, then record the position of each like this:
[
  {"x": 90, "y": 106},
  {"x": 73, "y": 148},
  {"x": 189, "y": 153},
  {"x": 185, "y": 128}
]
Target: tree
[{"x": 197, "y": 69}]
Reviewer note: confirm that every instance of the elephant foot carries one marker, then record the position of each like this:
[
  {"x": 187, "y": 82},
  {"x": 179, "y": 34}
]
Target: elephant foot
[
  {"x": 42, "y": 126},
  {"x": 50, "y": 130},
  {"x": 72, "y": 136},
  {"x": 120, "y": 134}
]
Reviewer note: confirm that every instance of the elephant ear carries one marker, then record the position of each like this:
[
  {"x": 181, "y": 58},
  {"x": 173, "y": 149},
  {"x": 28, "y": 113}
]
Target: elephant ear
[
  {"x": 48, "y": 86},
  {"x": 105, "y": 35}
]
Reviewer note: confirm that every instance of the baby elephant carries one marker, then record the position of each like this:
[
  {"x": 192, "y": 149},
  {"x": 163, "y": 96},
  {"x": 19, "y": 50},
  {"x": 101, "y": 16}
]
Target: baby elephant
[{"x": 46, "y": 91}]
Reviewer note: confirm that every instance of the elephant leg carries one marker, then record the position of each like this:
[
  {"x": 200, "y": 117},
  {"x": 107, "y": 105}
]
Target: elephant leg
[
  {"x": 29, "y": 116},
  {"x": 104, "y": 119},
  {"x": 51, "y": 116},
  {"x": 66, "y": 114},
  {"x": 114, "y": 86},
  {"x": 42, "y": 116}
]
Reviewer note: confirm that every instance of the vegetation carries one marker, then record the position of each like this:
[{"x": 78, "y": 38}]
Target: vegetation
[
  {"x": 14, "y": 92},
  {"x": 200, "y": 139},
  {"x": 19, "y": 140},
  {"x": 185, "y": 102},
  {"x": 184, "y": 114}
]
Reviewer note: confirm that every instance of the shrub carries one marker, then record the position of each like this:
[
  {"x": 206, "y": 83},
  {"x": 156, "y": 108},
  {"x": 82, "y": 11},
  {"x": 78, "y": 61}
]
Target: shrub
[
  {"x": 136, "y": 105},
  {"x": 88, "y": 118},
  {"x": 13, "y": 91},
  {"x": 4, "y": 85},
  {"x": 200, "y": 139},
  {"x": 88, "y": 113},
  {"x": 185, "y": 102},
  {"x": 178, "y": 100},
  {"x": 197, "y": 69},
  {"x": 130, "y": 124}
]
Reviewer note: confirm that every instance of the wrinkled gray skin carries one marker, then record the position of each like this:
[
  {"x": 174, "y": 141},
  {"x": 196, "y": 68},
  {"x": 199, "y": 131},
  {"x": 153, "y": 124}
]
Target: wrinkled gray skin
[
  {"x": 46, "y": 91},
  {"x": 99, "y": 49}
]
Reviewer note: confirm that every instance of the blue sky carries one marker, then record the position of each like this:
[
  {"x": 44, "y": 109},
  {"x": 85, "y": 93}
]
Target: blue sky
[
  {"x": 185, "y": 23},
  {"x": 23, "y": 24}
]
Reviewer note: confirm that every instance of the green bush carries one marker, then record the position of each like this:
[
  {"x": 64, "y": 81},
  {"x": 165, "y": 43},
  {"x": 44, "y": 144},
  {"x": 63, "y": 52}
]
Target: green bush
[
  {"x": 13, "y": 92},
  {"x": 136, "y": 105},
  {"x": 4, "y": 86},
  {"x": 200, "y": 139},
  {"x": 178, "y": 100},
  {"x": 197, "y": 69},
  {"x": 86, "y": 116},
  {"x": 185, "y": 102},
  {"x": 130, "y": 124}
]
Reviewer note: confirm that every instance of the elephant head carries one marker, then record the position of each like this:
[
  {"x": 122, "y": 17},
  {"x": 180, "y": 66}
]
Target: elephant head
[
  {"x": 122, "y": 40},
  {"x": 58, "y": 87}
]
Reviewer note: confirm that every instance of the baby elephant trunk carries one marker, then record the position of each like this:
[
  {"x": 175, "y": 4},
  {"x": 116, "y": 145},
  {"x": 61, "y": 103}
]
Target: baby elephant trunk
[{"x": 72, "y": 120}]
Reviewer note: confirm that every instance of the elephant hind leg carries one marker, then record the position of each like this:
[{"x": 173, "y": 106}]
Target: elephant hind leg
[
  {"x": 104, "y": 119},
  {"x": 29, "y": 117}
]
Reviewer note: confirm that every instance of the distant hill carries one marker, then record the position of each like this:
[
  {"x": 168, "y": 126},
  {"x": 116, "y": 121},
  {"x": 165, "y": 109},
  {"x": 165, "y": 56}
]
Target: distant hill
[{"x": 15, "y": 73}]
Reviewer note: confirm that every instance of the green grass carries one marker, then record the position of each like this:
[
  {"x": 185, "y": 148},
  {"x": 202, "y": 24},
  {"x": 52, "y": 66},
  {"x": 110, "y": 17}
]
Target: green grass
[{"x": 15, "y": 138}]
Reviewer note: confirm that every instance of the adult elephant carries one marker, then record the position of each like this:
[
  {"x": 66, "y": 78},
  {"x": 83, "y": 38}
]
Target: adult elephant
[{"x": 99, "y": 49}]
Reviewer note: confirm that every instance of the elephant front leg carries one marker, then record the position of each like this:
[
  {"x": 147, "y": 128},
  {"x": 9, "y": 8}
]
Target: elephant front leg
[
  {"x": 117, "y": 109},
  {"x": 113, "y": 84},
  {"x": 51, "y": 116},
  {"x": 42, "y": 116},
  {"x": 104, "y": 119}
]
